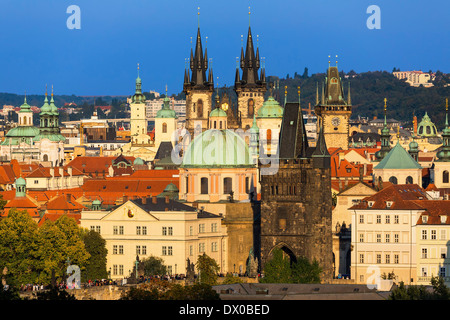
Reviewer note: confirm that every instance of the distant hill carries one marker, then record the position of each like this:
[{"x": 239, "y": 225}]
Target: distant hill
[{"x": 368, "y": 90}]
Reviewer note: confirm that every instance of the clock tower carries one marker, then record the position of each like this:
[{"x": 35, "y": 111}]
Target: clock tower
[{"x": 333, "y": 112}]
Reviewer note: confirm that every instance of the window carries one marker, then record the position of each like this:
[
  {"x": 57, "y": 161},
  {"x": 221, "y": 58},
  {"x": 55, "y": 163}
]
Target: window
[
  {"x": 433, "y": 234},
  {"x": 388, "y": 219},
  {"x": 201, "y": 228},
  {"x": 164, "y": 127},
  {"x": 169, "y": 251},
  {"x": 214, "y": 247},
  {"x": 121, "y": 270},
  {"x": 115, "y": 230},
  {"x": 138, "y": 250},
  {"x": 396, "y": 258},
  {"x": 409, "y": 180},
  {"x": 396, "y": 237},
  {"x": 445, "y": 177},
  {"x": 115, "y": 269},
  {"x": 227, "y": 185},
  {"x": 361, "y": 258},
  {"x": 138, "y": 230},
  {"x": 443, "y": 219},
  {"x": 164, "y": 251},
  {"x": 424, "y": 253},
  {"x": 204, "y": 185},
  {"x": 120, "y": 229},
  {"x": 388, "y": 238},
  {"x": 201, "y": 247},
  {"x": 144, "y": 230},
  {"x": 396, "y": 219},
  {"x": 361, "y": 218},
  {"x": 191, "y": 230},
  {"x": 424, "y": 234},
  {"x": 164, "y": 231},
  {"x": 170, "y": 231},
  {"x": 144, "y": 250},
  {"x": 200, "y": 108},
  {"x": 120, "y": 249},
  {"x": 393, "y": 180},
  {"x": 388, "y": 258},
  {"x": 443, "y": 253},
  {"x": 442, "y": 271},
  {"x": 97, "y": 229},
  {"x": 213, "y": 227},
  {"x": 424, "y": 219},
  {"x": 443, "y": 235},
  {"x": 361, "y": 237},
  {"x": 378, "y": 218},
  {"x": 114, "y": 249},
  {"x": 378, "y": 237},
  {"x": 378, "y": 258}
]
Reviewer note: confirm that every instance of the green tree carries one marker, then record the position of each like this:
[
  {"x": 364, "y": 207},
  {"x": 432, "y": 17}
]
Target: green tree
[
  {"x": 207, "y": 269},
  {"x": 2, "y": 202},
  {"x": 59, "y": 241},
  {"x": 304, "y": 271},
  {"x": 277, "y": 269},
  {"x": 18, "y": 247},
  {"x": 96, "y": 264},
  {"x": 152, "y": 266},
  {"x": 230, "y": 279},
  {"x": 440, "y": 290}
]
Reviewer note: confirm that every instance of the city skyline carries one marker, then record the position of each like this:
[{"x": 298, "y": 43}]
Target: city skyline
[{"x": 101, "y": 58}]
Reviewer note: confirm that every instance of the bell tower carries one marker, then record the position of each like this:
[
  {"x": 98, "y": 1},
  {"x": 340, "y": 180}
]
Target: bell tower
[
  {"x": 333, "y": 111},
  {"x": 251, "y": 87},
  {"x": 198, "y": 88}
]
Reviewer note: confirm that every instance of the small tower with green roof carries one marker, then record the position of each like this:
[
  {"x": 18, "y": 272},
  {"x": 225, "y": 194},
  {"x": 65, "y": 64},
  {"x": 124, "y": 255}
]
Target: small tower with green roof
[
  {"x": 165, "y": 122},
  {"x": 441, "y": 166},
  {"x": 385, "y": 138}
]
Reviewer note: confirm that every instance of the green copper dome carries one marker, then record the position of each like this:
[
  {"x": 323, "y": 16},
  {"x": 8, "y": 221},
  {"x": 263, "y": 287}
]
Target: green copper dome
[
  {"x": 138, "y": 161},
  {"x": 270, "y": 109},
  {"x": 25, "y": 107},
  {"x": 23, "y": 132},
  {"x": 218, "y": 112},
  {"x": 53, "y": 108},
  {"x": 165, "y": 111},
  {"x": 426, "y": 128},
  {"x": 46, "y": 109},
  {"x": 217, "y": 149}
]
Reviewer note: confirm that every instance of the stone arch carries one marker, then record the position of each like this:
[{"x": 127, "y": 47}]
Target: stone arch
[
  {"x": 283, "y": 246},
  {"x": 409, "y": 180},
  {"x": 393, "y": 180}
]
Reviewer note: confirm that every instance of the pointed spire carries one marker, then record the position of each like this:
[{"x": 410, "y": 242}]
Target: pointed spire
[
  {"x": 323, "y": 94},
  {"x": 446, "y": 112},
  {"x": 321, "y": 156},
  {"x": 237, "y": 78},
  {"x": 349, "y": 99},
  {"x": 317, "y": 93},
  {"x": 385, "y": 107}
]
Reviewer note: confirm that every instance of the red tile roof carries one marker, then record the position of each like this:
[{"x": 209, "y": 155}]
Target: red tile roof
[
  {"x": 402, "y": 196},
  {"x": 434, "y": 210}
]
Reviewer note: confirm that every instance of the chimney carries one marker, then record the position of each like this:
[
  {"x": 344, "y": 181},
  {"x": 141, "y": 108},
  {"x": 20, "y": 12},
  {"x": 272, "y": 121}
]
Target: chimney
[
  {"x": 144, "y": 200},
  {"x": 68, "y": 197},
  {"x": 154, "y": 200}
]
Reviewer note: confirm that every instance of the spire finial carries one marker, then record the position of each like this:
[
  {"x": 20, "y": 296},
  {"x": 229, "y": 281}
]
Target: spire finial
[
  {"x": 249, "y": 14},
  {"x": 242, "y": 40},
  {"x": 385, "y": 107},
  {"x": 329, "y": 61},
  {"x": 298, "y": 91},
  {"x": 446, "y": 112},
  {"x": 52, "y": 90},
  {"x": 285, "y": 95},
  {"x": 336, "y": 61},
  {"x": 257, "y": 41},
  {"x": 198, "y": 17},
  {"x": 398, "y": 133},
  {"x": 138, "y": 69},
  {"x": 45, "y": 89},
  {"x": 25, "y": 99},
  {"x": 166, "y": 90}
]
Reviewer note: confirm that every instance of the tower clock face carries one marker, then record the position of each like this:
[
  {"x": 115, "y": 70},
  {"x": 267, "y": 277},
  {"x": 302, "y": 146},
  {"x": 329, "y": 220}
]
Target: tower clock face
[{"x": 335, "y": 121}]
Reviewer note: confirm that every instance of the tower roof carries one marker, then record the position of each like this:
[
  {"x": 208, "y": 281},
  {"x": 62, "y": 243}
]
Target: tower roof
[
  {"x": 334, "y": 93},
  {"x": 398, "y": 158},
  {"x": 270, "y": 109}
]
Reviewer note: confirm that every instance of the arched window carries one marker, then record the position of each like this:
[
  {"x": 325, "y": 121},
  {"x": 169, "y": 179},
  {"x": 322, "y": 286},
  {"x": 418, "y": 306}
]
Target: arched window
[
  {"x": 393, "y": 180},
  {"x": 445, "y": 177},
  {"x": 251, "y": 107},
  {"x": 24, "y": 120},
  {"x": 409, "y": 180},
  {"x": 204, "y": 185},
  {"x": 200, "y": 108},
  {"x": 45, "y": 158},
  {"x": 164, "y": 127},
  {"x": 227, "y": 185}
]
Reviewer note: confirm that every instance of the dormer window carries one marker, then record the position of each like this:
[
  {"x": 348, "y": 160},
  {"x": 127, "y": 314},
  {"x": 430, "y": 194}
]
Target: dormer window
[
  {"x": 388, "y": 204},
  {"x": 424, "y": 219},
  {"x": 443, "y": 219},
  {"x": 370, "y": 203}
]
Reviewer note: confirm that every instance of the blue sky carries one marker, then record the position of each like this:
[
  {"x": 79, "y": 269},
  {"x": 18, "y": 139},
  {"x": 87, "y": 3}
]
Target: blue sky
[{"x": 37, "y": 48}]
